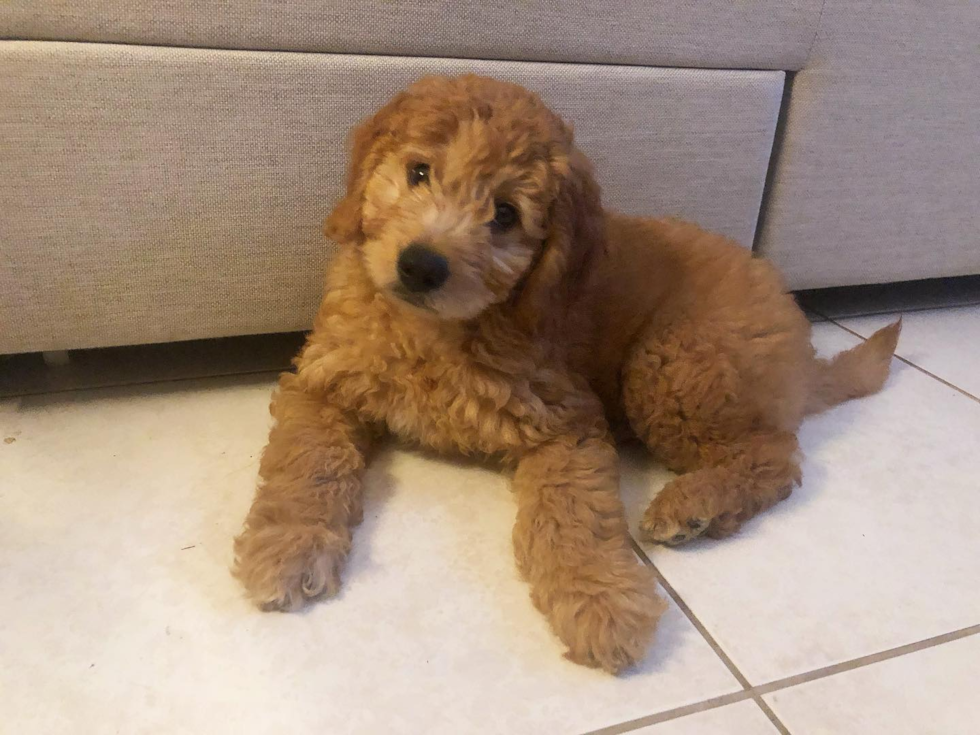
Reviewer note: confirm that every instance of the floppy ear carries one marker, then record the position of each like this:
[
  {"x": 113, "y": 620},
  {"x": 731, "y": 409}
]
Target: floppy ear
[
  {"x": 344, "y": 223},
  {"x": 576, "y": 233}
]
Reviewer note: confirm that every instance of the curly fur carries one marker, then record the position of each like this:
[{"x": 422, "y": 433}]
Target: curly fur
[{"x": 544, "y": 339}]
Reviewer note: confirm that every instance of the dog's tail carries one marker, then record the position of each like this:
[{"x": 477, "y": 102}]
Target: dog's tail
[{"x": 854, "y": 373}]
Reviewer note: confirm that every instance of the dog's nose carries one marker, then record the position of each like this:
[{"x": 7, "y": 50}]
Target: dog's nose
[{"x": 421, "y": 270}]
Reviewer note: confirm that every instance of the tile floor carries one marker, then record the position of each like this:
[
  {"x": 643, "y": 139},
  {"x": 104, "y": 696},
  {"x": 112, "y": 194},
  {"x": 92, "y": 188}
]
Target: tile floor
[{"x": 853, "y": 607}]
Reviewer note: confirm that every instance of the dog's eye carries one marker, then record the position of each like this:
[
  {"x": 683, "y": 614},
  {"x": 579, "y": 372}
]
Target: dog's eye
[
  {"x": 504, "y": 216},
  {"x": 418, "y": 173}
]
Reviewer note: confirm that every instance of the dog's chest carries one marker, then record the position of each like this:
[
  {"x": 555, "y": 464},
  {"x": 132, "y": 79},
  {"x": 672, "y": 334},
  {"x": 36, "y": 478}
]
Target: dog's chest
[
  {"x": 439, "y": 393},
  {"x": 448, "y": 401}
]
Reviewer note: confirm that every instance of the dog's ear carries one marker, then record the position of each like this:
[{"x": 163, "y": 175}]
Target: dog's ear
[
  {"x": 344, "y": 223},
  {"x": 575, "y": 235}
]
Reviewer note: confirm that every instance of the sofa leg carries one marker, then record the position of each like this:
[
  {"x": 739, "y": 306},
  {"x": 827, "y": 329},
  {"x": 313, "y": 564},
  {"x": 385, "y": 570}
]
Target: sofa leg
[{"x": 56, "y": 358}]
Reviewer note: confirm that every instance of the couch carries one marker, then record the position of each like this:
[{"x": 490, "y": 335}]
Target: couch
[{"x": 166, "y": 166}]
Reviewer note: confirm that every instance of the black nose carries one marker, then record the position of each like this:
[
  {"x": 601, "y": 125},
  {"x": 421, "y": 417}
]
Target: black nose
[{"x": 422, "y": 270}]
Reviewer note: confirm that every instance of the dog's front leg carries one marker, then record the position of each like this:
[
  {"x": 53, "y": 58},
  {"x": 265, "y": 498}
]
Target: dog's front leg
[
  {"x": 572, "y": 546},
  {"x": 298, "y": 531}
]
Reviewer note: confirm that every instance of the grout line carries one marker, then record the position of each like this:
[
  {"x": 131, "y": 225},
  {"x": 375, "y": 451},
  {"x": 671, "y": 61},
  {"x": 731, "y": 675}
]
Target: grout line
[
  {"x": 685, "y": 608},
  {"x": 906, "y": 361},
  {"x": 673, "y": 714},
  {"x": 756, "y": 693},
  {"x": 719, "y": 651},
  {"x": 767, "y": 711},
  {"x": 936, "y": 377},
  {"x": 862, "y": 661}
]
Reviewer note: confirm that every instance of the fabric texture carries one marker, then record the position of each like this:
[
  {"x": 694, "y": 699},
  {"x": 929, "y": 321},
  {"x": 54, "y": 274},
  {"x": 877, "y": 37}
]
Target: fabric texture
[
  {"x": 153, "y": 194},
  {"x": 878, "y": 177},
  {"x": 749, "y": 34}
]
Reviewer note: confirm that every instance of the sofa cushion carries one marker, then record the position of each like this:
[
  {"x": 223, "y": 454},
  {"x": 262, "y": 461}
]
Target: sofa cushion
[
  {"x": 155, "y": 194},
  {"x": 750, "y": 34},
  {"x": 878, "y": 178}
]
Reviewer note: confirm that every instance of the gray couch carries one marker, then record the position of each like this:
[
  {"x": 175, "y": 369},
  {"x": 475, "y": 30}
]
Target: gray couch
[{"x": 165, "y": 167}]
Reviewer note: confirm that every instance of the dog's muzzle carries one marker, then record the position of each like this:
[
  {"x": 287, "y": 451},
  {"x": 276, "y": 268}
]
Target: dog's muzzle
[{"x": 421, "y": 270}]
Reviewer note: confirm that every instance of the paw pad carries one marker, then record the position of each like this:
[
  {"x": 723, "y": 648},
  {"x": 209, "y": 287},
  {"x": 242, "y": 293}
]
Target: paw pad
[{"x": 672, "y": 533}]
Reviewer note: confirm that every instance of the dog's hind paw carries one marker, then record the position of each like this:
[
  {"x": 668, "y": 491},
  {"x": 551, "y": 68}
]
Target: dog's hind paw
[
  {"x": 670, "y": 531},
  {"x": 680, "y": 512}
]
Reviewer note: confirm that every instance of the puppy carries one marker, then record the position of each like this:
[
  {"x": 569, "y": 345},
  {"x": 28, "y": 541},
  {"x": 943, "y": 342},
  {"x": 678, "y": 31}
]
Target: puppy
[{"x": 485, "y": 303}]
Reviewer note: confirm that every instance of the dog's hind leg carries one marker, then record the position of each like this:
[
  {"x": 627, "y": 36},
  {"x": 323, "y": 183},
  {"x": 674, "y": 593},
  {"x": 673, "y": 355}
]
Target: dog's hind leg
[
  {"x": 687, "y": 401},
  {"x": 739, "y": 481}
]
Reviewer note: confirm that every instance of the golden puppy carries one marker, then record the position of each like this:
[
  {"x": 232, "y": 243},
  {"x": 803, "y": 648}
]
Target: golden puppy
[{"x": 485, "y": 303}]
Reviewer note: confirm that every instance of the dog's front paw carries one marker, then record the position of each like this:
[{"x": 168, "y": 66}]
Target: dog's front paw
[
  {"x": 282, "y": 566},
  {"x": 610, "y": 628}
]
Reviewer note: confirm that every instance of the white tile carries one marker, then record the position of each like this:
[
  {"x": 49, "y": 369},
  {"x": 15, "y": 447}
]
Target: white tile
[
  {"x": 117, "y": 511},
  {"x": 742, "y": 718},
  {"x": 879, "y": 547},
  {"x": 931, "y": 692},
  {"x": 946, "y": 342}
]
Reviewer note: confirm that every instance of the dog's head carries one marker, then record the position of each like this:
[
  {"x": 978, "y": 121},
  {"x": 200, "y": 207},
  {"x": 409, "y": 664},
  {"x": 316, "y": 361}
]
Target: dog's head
[{"x": 464, "y": 193}]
